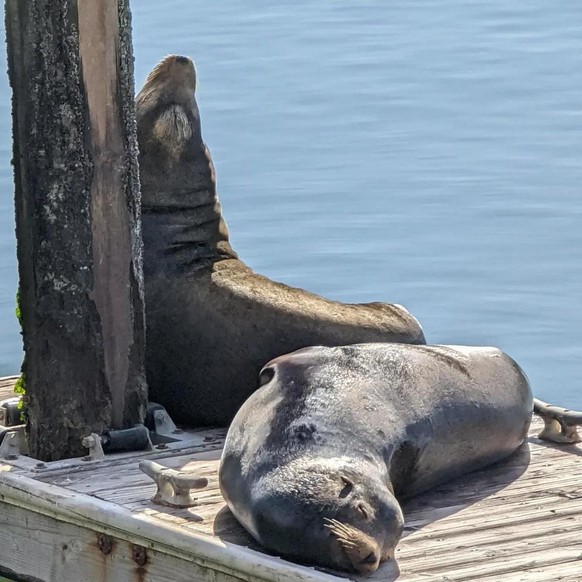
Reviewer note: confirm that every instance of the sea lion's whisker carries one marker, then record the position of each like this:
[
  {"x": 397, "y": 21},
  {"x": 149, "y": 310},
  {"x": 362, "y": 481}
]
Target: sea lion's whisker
[
  {"x": 347, "y": 536},
  {"x": 334, "y": 524}
]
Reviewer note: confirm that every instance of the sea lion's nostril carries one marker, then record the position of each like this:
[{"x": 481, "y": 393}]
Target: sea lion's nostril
[{"x": 371, "y": 558}]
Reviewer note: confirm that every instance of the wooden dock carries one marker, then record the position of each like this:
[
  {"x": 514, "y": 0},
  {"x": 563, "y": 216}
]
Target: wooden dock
[{"x": 520, "y": 520}]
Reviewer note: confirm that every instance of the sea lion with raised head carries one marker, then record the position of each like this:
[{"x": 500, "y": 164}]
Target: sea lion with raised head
[
  {"x": 317, "y": 459},
  {"x": 212, "y": 323}
]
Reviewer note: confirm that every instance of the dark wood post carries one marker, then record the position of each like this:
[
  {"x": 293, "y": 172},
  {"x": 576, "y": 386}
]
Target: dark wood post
[{"x": 70, "y": 65}]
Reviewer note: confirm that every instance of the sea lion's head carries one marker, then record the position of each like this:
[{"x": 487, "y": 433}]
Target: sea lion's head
[
  {"x": 329, "y": 512},
  {"x": 167, "y": 102},
  {"x": 175, "y": 166}
]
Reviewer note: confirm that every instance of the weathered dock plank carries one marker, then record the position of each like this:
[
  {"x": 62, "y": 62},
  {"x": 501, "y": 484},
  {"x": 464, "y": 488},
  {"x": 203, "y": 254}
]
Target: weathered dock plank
[
  {"x": 519, "y": 520},
  {"x": 24, "y": 497},
  {"x": 45, "y": 549},
  {"x": 7, "y": 386}
]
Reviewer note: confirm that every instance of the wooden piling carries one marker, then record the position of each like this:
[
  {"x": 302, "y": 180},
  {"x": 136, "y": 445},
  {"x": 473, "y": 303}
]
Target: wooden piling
[{"x": 70, "y": 65}]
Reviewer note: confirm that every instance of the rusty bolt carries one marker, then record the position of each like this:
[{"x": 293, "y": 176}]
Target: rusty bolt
[
  {"x": 140, "y": 556},
  {"x": 40, "y": 466},
  {"x": 105, "y": 543}
]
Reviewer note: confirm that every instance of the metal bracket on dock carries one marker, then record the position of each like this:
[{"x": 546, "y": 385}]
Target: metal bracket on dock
[
  {"x": 560, "y": 424},
  {"x": 160, "y": 423},
  {"x": 10, "y": 443},
  {"x": 10, "y": 412},
  {"x": 93, "y": 443},
  {"x": 136, "y": 438},
  {"x": 173, "y": 486}
]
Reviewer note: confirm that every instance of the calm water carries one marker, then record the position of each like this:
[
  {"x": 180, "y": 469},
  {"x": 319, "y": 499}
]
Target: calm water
[{"x": 427, "y": 153}]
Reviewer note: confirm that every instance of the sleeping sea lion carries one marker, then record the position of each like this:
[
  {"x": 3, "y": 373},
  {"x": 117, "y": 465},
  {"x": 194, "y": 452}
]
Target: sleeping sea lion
[
  {"x": 212, "y": 323},
  {"x": 317, "y": 459}
]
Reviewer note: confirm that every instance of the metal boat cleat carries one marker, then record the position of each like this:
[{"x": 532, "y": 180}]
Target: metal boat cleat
[
  {"x": 560, "y": 424},
  {"x": 173, "y": 486}
]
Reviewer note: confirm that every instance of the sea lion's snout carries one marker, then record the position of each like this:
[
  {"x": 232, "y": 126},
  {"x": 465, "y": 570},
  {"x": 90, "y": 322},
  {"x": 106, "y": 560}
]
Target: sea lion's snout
[
  {"x": 166, "y": 110},
  {"x": 367, "y": 529},
  {"x": 327, "y": 515},
  {"x": 173, "y": 80},
  {"x": 362, "y": 551}
]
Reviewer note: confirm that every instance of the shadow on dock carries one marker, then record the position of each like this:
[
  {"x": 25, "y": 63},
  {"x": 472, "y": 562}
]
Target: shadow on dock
[{"x": 570, "y": 448}]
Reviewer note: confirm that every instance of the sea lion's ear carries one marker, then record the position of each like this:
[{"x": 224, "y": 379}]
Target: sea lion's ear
[{"x": 267, "y": 374}]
